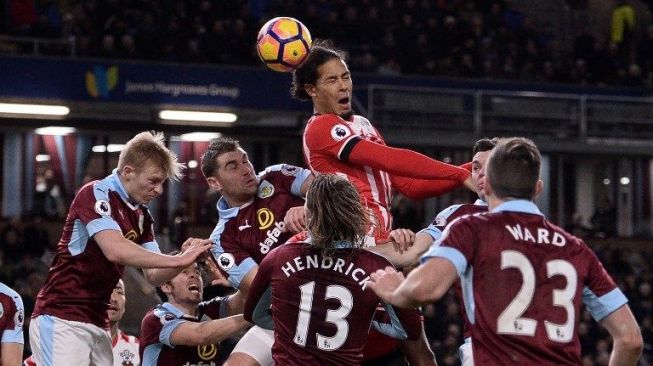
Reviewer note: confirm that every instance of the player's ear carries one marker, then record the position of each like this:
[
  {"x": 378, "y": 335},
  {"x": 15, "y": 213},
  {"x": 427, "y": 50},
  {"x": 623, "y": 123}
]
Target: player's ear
[
  {"x": 539, "y": 186},
  {"x": 311, "y": 90},
  {"x": 128, "y": 171},
  {"x": 214, "y": 183}
]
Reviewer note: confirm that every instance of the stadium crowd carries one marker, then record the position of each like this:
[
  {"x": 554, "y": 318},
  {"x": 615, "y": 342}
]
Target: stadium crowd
[{"x": 470, "y": 39}]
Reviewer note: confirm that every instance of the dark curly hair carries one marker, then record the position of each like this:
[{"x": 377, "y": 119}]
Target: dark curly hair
[{"x": 321, "y": 52}]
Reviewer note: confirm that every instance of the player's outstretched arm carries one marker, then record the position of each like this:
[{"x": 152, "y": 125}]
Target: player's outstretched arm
[
  {"x": 425, "y": 284},
  {"x": 207, "y": 332},
  {"x": 407, "y": 258},
  {"x": 12, "y": 354},
  {"x": 626, "y": 337},
  {"x": 402, "y": 162},
  {"x": 117, "y": 249}
]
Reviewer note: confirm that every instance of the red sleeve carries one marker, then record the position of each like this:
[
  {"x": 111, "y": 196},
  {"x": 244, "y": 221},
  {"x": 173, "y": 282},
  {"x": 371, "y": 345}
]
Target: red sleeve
[
  {"x": 418, "y": 189},
  {"x": 403, "y": 162}
]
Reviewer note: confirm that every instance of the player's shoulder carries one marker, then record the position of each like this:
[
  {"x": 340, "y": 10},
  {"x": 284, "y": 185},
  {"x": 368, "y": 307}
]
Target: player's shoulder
[
  {"x": 376, "y": 258},
  {"x": 8, "y": 291},
  {"x": 126, "y": 338},
  {"x": 280, "y": 171}
]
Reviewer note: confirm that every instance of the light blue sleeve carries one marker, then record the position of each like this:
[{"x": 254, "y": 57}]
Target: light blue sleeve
[
  {"x": 600, "y": 307},
  {"x": 393, "y": 329}
]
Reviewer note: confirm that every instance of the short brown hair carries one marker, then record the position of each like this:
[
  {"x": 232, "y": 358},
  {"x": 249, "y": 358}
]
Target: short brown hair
[
  {"x": 336, "y": 213},
  {"x": 321, "y": 52},
  {"x": 513, "y": 168},
  {"x": 150, "y": 147},
  {"x": 217, "y": 147},
  {"x": 484, "y": 144}
]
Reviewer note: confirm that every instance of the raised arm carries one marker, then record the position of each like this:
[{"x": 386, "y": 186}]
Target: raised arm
[
  {"x": 207, "y": 332},
  {"x": 117, "y": 249},
  {"x": 425, "y": 284},
  {"x": 402, "y": 162}
]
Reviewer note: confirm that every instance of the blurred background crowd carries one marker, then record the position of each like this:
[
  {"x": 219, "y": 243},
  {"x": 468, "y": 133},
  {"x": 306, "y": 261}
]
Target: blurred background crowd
[{"x": 453, "y": 38}]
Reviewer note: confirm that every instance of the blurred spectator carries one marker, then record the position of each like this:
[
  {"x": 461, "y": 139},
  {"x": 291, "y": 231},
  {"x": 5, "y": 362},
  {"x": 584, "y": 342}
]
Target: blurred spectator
[{"x": 623, "y": 28}]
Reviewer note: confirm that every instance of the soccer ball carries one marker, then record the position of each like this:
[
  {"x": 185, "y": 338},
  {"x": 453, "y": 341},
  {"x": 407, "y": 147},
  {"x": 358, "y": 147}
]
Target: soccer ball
[{"x": 283, "y": 43}]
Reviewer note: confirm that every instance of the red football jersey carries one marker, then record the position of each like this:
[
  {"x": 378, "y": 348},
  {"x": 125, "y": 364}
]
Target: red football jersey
[
  {"x": 324, "y": 141},
  {"x": 527, "y": 279}
]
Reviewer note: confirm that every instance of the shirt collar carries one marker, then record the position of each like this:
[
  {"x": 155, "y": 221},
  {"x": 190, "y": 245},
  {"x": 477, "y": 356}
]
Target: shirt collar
[
  {"x": 519, "y": 205},
  {"x": 176, "y": 311},
  {"x": 480, "y": 202}
]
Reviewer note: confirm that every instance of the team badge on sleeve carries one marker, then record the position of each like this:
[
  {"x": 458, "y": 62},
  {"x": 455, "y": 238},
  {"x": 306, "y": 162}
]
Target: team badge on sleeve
[
  {"x": 103, "y": 208},
  {"x": 19, "y": 318},
  {"x": 340, "y": 132},
  {"x": 167, "y": 317},
  {"x": 226, "y": 261},
  {"x": 440, "y": 221}
]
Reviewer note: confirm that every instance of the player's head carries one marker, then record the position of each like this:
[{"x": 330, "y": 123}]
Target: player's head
[
  {"x": 513, "y": 169},
  {"x": 145, "y": 164},
  {"x": 227, "y": 169},
  {"x": 117, "y": 303},
  {"x": 324, "y": 78},
  {"x": 335, "y": 213},
  {"x": 186, "y": 288},
  {"x": 480, "y": 152}
]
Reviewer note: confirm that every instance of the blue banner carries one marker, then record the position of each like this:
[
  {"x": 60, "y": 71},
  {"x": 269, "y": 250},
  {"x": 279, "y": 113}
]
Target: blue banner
[
  {"x": 146, "y": 83},
  {"x": 214, "y": 86}
]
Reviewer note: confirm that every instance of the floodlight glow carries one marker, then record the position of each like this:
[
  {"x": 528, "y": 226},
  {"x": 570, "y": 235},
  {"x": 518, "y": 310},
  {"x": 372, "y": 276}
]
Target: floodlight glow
[
  {"x": 195, "y": 116},
  {"x": 34, "y": 109}
]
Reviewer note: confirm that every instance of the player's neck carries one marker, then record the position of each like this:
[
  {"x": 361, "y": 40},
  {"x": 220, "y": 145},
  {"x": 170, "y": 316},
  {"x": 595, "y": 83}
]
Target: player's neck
[
  {"x": 114, "y": 330},
  {"x": 493, "y": 202},
  {"x": 236, "y": 202}
]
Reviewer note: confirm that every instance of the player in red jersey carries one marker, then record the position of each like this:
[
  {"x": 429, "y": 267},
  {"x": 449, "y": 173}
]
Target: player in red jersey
[
  {"x": 107, "y": 227},
  {"x": 526, "y": 277},
  {"x": 316, "y": 283},
  {"x": 252, "y": 211},
  {"x": 12, "y": 316},
  {"x": 338, "y": 141},
  {"x": 184, "y": 330}
]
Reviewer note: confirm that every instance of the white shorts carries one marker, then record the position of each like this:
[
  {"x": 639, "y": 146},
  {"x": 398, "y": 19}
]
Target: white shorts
[
  {"x": 257, "y": 343},
  {"x": 465, "y": 353},
  {"x": 56, "y": 341}
]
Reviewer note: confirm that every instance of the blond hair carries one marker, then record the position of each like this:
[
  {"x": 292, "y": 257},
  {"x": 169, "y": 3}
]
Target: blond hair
[{"x": 150, "y": 147}]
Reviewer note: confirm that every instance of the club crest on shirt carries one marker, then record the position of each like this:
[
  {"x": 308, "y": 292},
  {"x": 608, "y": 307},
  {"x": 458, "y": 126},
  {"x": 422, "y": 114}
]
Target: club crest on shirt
[
  {"x": 226, "y": 261},
  {"x": 127, "y": 357},
  {"x": 102, "y": 208},
  {"x": 19, "y": 318},
  {"x": 167, "y": 317},
  {"x": 340, "y": 132},
  {"x": 265, "y": 218},
  {"x": 265, "y": 189}
]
